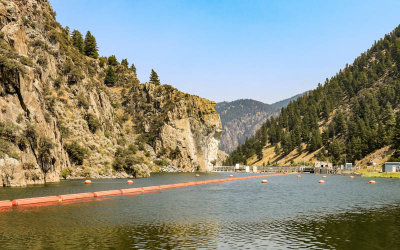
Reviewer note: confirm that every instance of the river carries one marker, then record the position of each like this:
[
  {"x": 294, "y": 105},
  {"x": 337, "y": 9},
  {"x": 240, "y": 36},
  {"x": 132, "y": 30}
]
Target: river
[{"x": 286, "y": 213}]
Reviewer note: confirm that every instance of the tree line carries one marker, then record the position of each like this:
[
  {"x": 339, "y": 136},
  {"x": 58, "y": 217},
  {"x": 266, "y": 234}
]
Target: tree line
[
  {"x": 88, "y": 47},
  {"x": 353, "y": 113}
]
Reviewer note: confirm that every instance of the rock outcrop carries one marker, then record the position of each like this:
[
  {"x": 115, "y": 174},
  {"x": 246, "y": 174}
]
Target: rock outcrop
[{"x": 59, "y": 120}]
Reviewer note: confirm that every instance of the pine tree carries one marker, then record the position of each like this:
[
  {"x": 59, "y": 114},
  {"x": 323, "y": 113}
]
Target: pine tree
[
  {"x": 316, "y": 140},
  {"x": 111, "y": 77},
  {"x": 133, "y": 68},
  {"x": 277, "y": 149},
  {"x": 112, "y": 60},
  {"x": 91, "y": 49},
  {"x": 396, "y": 133},
  {"x": 154, "y": 78},
  {"x": 77, "y": 41},
  {"x": 388, "y": 118},
  {"x": 124, "y": 62}
]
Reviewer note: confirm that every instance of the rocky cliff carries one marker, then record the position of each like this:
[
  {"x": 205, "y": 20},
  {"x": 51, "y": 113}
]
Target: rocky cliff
[{"x": 59, "y": 120}]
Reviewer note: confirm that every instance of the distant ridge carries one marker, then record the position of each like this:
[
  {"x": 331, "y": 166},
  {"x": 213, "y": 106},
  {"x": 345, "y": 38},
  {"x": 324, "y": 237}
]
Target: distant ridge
[
  {"x": 285, "y": 102},
  {"x": 241, "y": 118}
]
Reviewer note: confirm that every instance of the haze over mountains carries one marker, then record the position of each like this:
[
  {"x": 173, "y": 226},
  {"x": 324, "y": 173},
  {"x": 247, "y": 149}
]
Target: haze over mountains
[{"x": 241, "y": 118}]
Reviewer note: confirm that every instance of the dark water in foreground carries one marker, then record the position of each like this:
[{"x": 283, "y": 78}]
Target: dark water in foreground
[{"x": 286, "y": 213}]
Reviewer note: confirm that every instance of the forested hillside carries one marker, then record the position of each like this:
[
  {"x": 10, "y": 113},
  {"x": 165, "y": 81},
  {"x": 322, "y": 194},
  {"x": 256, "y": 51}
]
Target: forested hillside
[
  {"x": 240, "y": 119},
  {"x": 353, "y": 114}
]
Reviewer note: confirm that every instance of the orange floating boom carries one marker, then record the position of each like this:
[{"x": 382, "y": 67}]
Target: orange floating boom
[
  {"x": 36, "y": 200},
  {"x": 69, "y": 197},
  {"x": 107, "y": 193},
  {"x": 5, "y": 204}
]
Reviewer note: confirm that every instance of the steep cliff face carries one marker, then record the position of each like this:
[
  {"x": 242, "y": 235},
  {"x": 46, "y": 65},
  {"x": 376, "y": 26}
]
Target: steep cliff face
[
  {"x": 59, "y": 119},
  {"x": 185, "y": 128}
]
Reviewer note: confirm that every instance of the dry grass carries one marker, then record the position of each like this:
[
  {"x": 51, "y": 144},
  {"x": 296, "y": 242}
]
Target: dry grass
[{"x": 381, "y": 175}]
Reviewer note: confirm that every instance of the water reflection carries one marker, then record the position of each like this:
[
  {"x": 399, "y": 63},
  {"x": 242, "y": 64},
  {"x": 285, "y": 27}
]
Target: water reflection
[{"x": 285, "y": 213}]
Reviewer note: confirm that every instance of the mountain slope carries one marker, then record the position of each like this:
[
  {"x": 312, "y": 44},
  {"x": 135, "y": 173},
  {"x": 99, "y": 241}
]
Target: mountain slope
[
  {"x": 352, "y": 115},
  {"x": 241, "y": 119},
  {"x": 279, "y": 105},
  {"x": 66, "y": 113}
]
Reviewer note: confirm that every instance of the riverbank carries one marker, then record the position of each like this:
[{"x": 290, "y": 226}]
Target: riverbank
[
  {"x": 375, "y": 174},
  {"x": 381, "y": 175}
]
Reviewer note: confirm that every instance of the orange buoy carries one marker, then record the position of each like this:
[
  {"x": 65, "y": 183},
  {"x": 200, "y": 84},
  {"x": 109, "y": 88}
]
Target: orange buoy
[
  {"x": 351, "y": 177},
  {"x": 299, "y": 176},
  {"x": 129, "y": 181},
  {"x": 321, "y": 181},
  {"x": 264, "y": 181},
  {"x": 231, "y": 175},
  {"x": 197, "y": 175},
  {"x": 339, "y": 173},
  {"x": 88, "y": 182},
  {"x": 324, "y": 176},
  {"x": 284, "y": 172},
  {"x": 372, "y": 182}
]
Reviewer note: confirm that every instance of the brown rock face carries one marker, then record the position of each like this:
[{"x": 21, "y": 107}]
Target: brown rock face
[
  {"x": 186, "y": 128},
  {"x": 59, "y": 119}
]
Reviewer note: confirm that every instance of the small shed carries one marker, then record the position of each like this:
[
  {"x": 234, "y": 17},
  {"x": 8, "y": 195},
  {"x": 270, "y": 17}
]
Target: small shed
[
  {"x": 322, "y": 164},
  {"x": 391, "y": 167},
  {"x": 321, "y": 167}
]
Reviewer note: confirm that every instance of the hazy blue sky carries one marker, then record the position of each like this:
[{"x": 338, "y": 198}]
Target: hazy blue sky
[{"x": 226, "y": 50}]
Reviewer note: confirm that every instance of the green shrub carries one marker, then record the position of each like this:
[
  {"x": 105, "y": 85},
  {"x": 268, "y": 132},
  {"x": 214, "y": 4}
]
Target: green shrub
[
  {"x": 65, "y": 173},
  {"x": 83, "y": 101},
  {"x": 67, "y": 66},
  {"x": 57, "y": 82},
  {"x": 76, "y": 152},
  {"x": 7, "y": 148},
  {"x": 28, "y": 165},
  {"x": 174, "y": 154},
  {"x": 86, "y": 173},
  {"x": 31, "y": 135},
  {"x": 162, "y": 162},
  {"x": 65, "y": 132},
  {"x": 125, "y": 159},
  {"x": 26, "y": 61},
  {"x": 20, "y": 118},
  {"x": 93, "y": 123},
  {"x": 8, "y": 131},
  {"x": 75, "y": 76},
  {"x": 42, "y": 61}
]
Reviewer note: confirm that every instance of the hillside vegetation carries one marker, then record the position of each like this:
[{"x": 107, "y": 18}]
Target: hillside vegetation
[
  {"x": 352, "y": 115},
  {"x": 68, "y": 112},
  {"x": 242, "y": 118}
]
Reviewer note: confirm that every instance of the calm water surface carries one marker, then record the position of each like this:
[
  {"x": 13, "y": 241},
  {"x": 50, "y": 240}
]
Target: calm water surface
[{"x": 286, "y": 213}]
